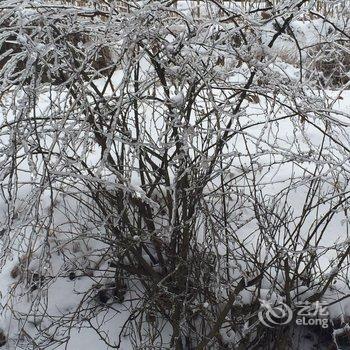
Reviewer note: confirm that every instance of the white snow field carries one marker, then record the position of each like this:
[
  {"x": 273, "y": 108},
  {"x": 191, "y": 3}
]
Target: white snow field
[{"x": 56, "y": 263}]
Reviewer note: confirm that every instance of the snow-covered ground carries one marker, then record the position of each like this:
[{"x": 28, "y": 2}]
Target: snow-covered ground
[{"x": 70, "y": 258}]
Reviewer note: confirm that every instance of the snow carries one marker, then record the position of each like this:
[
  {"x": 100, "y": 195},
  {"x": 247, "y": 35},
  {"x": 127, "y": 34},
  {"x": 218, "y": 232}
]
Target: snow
[
  {"x": 178, "y": 100},
  {"x": 64, "y": 295}
]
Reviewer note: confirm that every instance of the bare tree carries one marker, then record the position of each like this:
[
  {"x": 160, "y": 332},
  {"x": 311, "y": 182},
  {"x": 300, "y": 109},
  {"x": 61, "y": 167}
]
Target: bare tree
[{"x": 175, "y": 165}]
